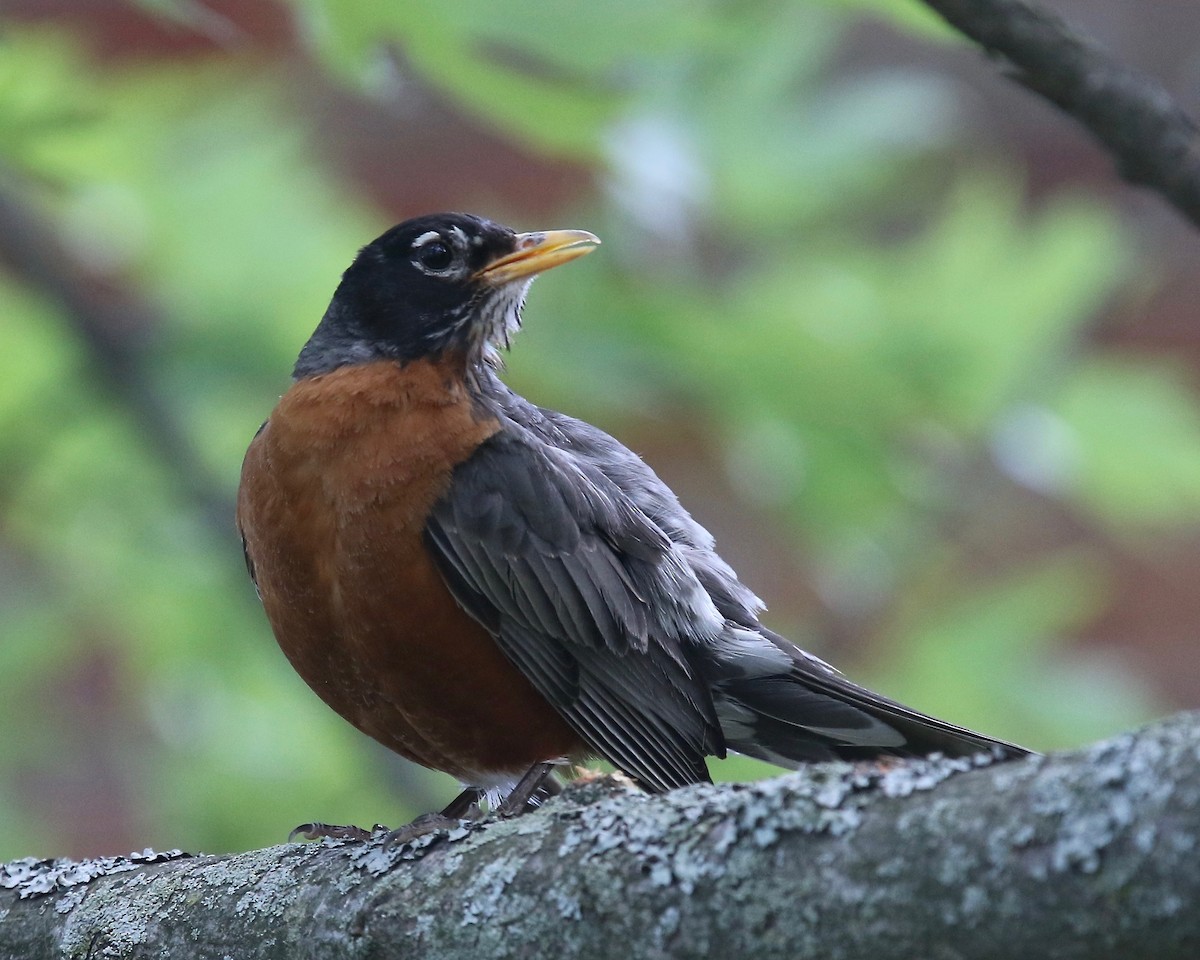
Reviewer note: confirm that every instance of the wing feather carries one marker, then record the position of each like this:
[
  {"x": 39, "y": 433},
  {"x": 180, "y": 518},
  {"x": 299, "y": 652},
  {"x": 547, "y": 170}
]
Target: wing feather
[{"x": 581, "y": 590}]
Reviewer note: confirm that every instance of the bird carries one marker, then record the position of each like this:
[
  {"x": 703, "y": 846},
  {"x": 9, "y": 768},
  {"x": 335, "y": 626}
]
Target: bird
[{"x": 491, "y": 588}]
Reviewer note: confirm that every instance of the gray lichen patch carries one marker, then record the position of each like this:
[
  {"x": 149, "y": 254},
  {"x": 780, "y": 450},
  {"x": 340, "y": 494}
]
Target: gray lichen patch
[
  {"x": 486, "y": 888},
  {"x": 684, "y": 838},
  {"x": 902, "y": 780},
  {"x": 133, "y": 909},
  {"x": 679, "y": 839},
  {"x": 31, "y": 877},
  {"x": 1124, "y": 781},
  {"x": 381, "y": 853},
  {"x": 127, "y": 920}
]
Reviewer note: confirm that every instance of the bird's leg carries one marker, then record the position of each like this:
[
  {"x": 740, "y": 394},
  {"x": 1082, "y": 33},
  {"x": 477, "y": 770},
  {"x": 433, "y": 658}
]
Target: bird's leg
[
  {"x": 550, "y": 788},
  {"x": 536, "y": 785},
  {"x": 465, "y": 806}
]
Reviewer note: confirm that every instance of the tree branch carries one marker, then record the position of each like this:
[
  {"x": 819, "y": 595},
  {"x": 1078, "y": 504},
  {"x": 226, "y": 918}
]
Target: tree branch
[
  {"x": 1089, "y": 854},
  {"x": 1155, "y": 144}
]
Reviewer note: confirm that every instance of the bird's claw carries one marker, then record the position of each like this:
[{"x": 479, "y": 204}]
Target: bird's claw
[
  {"x": 319, "y": 831},
  {"x": 425, "y": 824}
]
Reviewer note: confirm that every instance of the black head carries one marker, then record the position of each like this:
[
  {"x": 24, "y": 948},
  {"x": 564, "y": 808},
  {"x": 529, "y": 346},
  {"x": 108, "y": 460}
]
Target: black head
[{"x": 449, "y": 282}]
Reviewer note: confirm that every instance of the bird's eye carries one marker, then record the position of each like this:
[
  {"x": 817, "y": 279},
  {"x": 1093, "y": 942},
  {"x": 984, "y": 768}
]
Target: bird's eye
[{"x": 435, "y": 256}]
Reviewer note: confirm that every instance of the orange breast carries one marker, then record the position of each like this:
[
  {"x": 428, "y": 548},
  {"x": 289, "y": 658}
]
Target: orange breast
[{"x": 334, "y": 495}]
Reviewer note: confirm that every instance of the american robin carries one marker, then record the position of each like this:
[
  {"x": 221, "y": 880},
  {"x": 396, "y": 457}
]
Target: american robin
[{"x": 488, "y": 587}]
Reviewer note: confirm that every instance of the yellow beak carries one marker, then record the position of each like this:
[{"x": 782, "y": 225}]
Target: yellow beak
[{"x": 536, "y": 252}]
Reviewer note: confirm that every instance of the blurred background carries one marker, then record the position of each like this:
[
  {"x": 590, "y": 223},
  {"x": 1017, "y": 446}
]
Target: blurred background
[{"x": 891, "y": 327}]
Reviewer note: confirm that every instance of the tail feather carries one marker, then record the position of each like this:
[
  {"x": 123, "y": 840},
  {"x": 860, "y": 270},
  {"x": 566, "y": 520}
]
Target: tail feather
[{"x": 814, "y": 713}]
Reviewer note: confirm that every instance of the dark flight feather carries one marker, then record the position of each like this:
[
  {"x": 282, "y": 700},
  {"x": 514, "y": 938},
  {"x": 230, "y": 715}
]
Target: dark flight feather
[{"x": 613, "y": 602}]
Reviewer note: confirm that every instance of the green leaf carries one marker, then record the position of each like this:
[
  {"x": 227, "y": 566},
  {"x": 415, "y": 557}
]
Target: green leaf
[
  {"x": 910, "y": 14},
  {"x": 987, "y": 305},
  {"x": 551, "y": 74},
  {"x": 1136, "y": 432},
  {"x": 46, "y": 103}
]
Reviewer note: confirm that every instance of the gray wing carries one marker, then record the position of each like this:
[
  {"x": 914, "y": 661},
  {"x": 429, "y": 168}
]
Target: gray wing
[
  {"x": 775, "y": 701},
  {"x": 588, "y": 597},
  {"x": 602, "y": 589}
]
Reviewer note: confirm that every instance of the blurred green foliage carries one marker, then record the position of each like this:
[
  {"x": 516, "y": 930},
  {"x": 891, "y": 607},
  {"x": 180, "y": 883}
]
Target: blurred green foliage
[{"x": 880, "y": 343}]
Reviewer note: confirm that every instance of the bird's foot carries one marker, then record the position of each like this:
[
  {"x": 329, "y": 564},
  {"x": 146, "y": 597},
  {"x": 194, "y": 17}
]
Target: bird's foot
[
  {"x": 464, "y": 807},
  {"x": 319, "y": 831},
  {"x": 425, "y": 824},
  {"x": 536, "y": 786}
]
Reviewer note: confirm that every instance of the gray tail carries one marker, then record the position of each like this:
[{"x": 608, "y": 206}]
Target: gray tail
[{"x": 813, "y": 713}]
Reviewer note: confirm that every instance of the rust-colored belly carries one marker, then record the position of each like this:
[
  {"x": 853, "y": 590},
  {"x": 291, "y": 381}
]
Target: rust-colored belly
[{"x": 332, "y": 505}]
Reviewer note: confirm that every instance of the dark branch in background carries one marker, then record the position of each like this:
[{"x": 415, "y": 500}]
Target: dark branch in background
[
  {"x": 1089, "y": 855},
  {"x": 114, "y": 325},
  {"x": 1154, "y": 142}
]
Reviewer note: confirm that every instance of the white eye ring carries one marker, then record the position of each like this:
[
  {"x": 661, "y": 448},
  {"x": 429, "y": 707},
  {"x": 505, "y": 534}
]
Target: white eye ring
[{"x": 434, "y": 254}]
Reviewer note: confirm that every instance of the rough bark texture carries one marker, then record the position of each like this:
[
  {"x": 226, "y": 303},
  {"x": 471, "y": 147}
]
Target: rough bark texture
[
  {"x": 1090, "y": 854},
  {"x": 1155, "y": 144}
]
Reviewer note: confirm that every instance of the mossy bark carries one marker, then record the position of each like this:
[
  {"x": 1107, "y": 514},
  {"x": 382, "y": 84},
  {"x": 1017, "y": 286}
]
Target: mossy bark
[{"x": 1091, "y": 854}]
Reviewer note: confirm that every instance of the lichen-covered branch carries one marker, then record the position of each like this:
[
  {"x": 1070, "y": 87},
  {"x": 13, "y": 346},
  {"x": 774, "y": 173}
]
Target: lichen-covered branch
[
  {"x": 1090, "y": 854},
  {"x": 1154, "y": 142}
]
